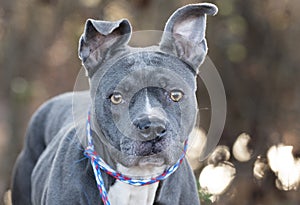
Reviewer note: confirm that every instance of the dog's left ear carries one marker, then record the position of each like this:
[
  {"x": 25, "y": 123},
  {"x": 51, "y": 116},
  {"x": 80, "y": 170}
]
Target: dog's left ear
[
  {"x": 184, "y": 33},
  {"x": 100, "y": 40}
]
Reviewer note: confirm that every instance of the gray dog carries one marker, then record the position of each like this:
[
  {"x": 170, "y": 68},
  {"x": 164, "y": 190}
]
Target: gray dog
[{"x": 142, "y": 107}]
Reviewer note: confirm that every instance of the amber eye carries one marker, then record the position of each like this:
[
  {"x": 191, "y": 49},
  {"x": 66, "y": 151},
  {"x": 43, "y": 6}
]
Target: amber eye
[
  {"x": 176, "y": 95},
  {"x": 116, "y": 98}
]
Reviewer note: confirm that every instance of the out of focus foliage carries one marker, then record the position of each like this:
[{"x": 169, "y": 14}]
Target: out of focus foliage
[{"x": 254, "y": 44}]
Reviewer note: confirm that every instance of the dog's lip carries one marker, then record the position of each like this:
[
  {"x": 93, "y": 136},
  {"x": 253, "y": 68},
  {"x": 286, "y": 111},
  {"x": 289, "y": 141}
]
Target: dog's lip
[
  {"x": 151, "y": 161},
  {"x": 152, "y": 147},
  {"x": 155, "y": 140}
]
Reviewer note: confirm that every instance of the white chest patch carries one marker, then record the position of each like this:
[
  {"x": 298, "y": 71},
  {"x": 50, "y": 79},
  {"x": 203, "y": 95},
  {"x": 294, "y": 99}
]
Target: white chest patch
[{"x": 125, "y": 194}]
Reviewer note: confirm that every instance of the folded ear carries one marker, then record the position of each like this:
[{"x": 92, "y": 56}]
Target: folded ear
[
  {"x": 184, "y": 33},
  {"x": 100, "y": 40}
]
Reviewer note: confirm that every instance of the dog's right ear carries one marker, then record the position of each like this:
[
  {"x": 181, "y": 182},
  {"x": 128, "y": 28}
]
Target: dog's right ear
[{"x": 100, "y": 40}]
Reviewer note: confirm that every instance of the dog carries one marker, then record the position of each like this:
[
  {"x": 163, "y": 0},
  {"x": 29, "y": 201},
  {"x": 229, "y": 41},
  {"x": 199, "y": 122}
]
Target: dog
[{"x": 142, "y": 107}]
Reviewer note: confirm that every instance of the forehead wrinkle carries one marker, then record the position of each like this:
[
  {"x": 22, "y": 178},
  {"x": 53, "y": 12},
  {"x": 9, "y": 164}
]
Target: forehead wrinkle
[
  {"x": 136, "y": 78},
  {"x": 148, "y": 78}
]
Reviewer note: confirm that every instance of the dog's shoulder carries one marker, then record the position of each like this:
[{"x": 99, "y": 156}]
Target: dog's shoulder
[{"x": 61, "y": 173}]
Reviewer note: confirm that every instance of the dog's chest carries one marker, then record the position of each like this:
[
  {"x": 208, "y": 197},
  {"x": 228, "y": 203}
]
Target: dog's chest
[{"x": 124, "y": 194}]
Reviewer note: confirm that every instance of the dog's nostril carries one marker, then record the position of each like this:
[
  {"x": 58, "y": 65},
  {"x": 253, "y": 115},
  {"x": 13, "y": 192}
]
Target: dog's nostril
[
  {"x": 143, "y": 124},
  {"x": 145, "y": 127},
  {"x": 161, "y": 131}
]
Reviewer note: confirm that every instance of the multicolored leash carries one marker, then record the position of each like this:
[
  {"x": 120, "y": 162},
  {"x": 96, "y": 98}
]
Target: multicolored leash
[{"x": 98, "y": 164}]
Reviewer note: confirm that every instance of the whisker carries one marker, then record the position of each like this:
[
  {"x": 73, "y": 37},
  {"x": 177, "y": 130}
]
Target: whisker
[{"x": 80, "y": 160}]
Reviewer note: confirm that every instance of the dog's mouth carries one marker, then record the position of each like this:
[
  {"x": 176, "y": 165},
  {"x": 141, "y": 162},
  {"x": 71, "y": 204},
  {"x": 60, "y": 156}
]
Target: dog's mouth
[
  {"x": 155, "y": 153},
  {"x": 144, "y": 148},
  {"x": 151, "y": 147}
]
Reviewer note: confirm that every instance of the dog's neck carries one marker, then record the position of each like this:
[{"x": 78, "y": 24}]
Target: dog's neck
[{"x": 125, "y": 194}]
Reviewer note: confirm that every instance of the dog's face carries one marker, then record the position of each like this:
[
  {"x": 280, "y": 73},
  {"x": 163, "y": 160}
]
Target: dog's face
[
  {"x": 147, "y": 108},
  {"x": 143, "y": 100}
]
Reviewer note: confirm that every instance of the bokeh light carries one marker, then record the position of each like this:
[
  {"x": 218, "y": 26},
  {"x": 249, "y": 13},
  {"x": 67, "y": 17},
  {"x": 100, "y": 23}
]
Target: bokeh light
[
  {"x": 216, "y": 179},
  {"x": 197, "y": 142},
  {"x": 285, "y": 166},
  {"x": 260, "y": 167},
  {"x": 240, "y": 149}
]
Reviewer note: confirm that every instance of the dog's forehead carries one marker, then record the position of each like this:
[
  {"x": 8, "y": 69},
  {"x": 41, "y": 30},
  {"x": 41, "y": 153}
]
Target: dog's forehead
[{"x": 145, "y": 68}]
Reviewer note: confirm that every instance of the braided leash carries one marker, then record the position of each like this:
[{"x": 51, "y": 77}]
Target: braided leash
[{"x": 98, "y": 164}]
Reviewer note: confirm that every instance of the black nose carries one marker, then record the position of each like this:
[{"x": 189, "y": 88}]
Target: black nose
[{"x": 150, "y": 127}]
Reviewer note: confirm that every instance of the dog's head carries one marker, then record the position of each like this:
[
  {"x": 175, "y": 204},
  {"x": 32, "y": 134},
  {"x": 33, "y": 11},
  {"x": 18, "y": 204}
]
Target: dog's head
[{"x": 143, "y": 99}]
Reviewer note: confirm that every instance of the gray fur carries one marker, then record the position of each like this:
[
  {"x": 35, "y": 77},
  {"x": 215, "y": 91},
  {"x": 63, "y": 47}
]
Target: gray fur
[{"x": 146, "y": 128}]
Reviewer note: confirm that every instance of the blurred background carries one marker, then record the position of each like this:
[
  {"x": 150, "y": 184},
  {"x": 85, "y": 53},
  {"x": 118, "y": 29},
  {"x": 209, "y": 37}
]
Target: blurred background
[{"x": 254, "y": 45}]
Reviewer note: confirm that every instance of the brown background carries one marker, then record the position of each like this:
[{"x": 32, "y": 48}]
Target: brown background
[{"x": 254, "y": 45}]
